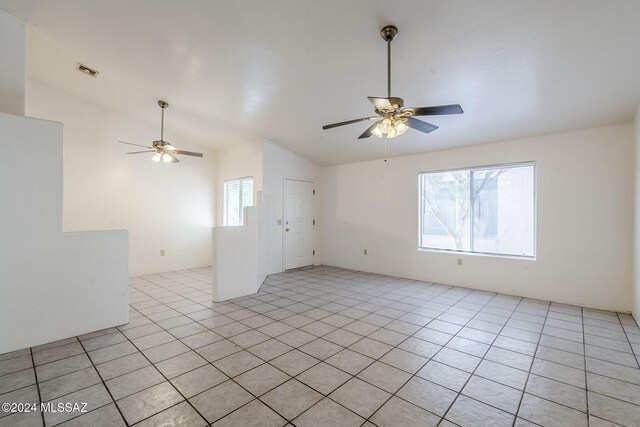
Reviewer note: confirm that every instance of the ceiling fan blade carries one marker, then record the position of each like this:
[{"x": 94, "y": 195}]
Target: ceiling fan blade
[
  {"x": 137, "y": 145},
  {"x": 138, "y": 152},
  {"x": 348, "y": 122},
  {"x": 435, "y": 111},
  {"x": 392, "y": 103},
  {"x": 187, "y": 153},
  {"x": 420, "y": 125},
  {"x": 367, "y": 133}
]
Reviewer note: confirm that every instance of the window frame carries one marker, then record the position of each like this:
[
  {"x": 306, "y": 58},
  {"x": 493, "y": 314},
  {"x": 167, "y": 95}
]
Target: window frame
[
  {"x": 472, "y": 210},
  {"x": 225, "y": 204}
]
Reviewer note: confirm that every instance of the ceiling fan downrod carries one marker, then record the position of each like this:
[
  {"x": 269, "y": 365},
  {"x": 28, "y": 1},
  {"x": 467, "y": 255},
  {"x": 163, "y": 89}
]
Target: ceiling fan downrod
[
  {"x": 388, "y": 33},
  {"x": 163, "y": 105}
]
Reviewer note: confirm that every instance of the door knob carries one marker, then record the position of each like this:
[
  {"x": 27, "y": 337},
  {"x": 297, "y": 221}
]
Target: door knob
[{"x": 286, "y": 229}]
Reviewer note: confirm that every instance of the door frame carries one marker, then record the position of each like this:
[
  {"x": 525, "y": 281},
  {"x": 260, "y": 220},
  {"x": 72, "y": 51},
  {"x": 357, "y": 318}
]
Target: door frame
[{"x": 284, "y": 248}]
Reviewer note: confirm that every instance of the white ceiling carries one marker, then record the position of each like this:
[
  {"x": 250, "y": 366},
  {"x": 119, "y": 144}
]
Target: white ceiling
[{"x": 238, "y": 70}]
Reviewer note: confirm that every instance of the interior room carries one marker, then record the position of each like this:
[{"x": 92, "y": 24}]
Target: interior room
[{"x": 304, "y": 213}]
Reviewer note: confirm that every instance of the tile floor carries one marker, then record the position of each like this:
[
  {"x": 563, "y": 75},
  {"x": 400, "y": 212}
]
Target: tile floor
[{"x": 334, "y": 347}]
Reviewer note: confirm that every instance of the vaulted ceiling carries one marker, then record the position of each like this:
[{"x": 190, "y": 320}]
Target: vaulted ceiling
[{"x": 238, "y": 70}]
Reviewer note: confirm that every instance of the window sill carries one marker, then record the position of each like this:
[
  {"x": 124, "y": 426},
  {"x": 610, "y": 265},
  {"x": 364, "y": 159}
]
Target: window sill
[{"x": 478, "y": 254}]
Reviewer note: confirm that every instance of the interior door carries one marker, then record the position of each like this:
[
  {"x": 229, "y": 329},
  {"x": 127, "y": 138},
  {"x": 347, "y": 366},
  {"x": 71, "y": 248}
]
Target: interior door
[{"x": 298, "y": 223}]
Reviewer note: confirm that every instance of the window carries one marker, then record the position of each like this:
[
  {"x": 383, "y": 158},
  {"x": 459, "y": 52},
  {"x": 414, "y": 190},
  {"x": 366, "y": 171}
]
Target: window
[
  {"x": 489, "y": 210},
  {"x": 238, "y": 193}
]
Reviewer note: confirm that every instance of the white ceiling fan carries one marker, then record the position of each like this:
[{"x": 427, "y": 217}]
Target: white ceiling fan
[{"x": 163, "y": 150}]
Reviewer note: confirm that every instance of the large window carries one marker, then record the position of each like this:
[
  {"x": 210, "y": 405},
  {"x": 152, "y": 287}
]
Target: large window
[
  {"x": 238, "y": 193},
  {"x": 488, "y": 210}
]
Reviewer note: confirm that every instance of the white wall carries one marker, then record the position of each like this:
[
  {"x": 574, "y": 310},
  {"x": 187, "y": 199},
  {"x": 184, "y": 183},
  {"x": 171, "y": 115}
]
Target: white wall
[
  {"x": 237, "y": 161},
  {"x": 236, "y": 257},
  {"x": 53, "y": 285},
  {"x": 164, "y": 206},
  {"x": 13, "y": 64},
  {"x": 584, "y": 219},
  {"x": 279, "y": 163},
  {"x": 636, "y": 220}
]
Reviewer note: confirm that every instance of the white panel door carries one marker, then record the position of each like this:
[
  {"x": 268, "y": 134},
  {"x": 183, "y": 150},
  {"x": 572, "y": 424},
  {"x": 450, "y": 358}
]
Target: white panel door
[{"x": 298, "y": 224}]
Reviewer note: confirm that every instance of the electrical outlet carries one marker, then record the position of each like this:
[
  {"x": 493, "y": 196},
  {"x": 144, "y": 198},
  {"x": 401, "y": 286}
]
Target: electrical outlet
[
  {"x": 459, "y": 261},
  {"x": 161, "y": 252},
  {"x": 365, "y": 251}
]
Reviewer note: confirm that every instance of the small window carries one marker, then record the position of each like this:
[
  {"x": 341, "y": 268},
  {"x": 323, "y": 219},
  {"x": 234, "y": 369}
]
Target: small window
[
  {"x": 238, "y": 193},
  {"x": 488, "y": 210}
]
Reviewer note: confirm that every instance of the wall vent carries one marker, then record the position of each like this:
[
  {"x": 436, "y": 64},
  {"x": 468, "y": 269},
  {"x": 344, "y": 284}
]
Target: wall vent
[{"x": 88, "y": 71}]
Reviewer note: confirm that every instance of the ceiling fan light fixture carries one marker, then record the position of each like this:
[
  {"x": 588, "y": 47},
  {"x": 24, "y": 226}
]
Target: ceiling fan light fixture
[
  {"x": 386, "y": 126},
  {"x": 167, "y": 158},
  {"x": 390, "y": 127},
  {"x": 400, "y": 126},
  {"x": 157, "y": 156}
]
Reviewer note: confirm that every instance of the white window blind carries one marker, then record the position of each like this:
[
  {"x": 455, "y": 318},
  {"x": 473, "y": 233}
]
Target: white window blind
[
  {"x": 238, "y": 193},
  {"x": 487, "y": 210}
]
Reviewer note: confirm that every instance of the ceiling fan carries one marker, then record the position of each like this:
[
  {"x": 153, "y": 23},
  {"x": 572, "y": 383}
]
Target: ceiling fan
[
  {"x": 163, "y": 150},
  {"x": 393, "y": 119}
]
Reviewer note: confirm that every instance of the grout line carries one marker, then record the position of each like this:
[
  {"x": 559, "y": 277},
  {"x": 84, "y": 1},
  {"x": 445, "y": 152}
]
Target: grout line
[
  {"x": 533, "y": 360},
  {"x": 35, "y": 373},
  {"x": 104, "y": 385},
  {"x": 629, "y": 342},
  {"x": 459, "y": 393},
  {"x": 586, "y": 376}
]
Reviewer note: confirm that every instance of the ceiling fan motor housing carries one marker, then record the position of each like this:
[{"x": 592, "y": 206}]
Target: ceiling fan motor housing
[{"x": 388, "y": 33}]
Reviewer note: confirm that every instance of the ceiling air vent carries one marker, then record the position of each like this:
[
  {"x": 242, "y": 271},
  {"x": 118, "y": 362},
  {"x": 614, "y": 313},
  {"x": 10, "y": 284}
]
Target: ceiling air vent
[{"x": 88, "y": 71}]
